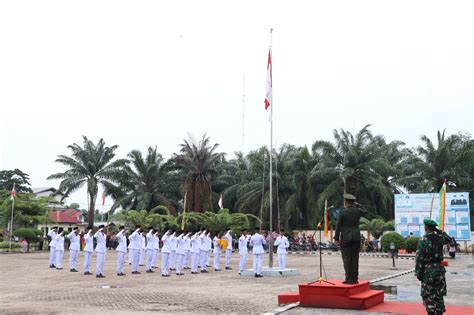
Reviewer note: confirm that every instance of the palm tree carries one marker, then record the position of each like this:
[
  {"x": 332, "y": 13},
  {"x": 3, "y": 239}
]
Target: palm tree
[
  {"x": 197, "y": 162},
  {"x": 353, "y": 164},
  {"x": 144, "y": 184},
  {"x": 91, "y": 165}
]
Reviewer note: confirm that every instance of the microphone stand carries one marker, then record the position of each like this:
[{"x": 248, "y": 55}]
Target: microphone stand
[{"x": 321, "y": 278}]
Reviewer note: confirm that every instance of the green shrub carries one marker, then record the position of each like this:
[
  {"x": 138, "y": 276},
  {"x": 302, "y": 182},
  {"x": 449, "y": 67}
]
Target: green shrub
[
  {"x": 411, "y": 244},
  {"x": 392, "y": 237},
  {"x": 31, "y": 235},
  {"x": 7, "y": 245}
]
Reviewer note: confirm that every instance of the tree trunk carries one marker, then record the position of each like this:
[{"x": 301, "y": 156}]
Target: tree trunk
[{"x": 91, "y": 213}]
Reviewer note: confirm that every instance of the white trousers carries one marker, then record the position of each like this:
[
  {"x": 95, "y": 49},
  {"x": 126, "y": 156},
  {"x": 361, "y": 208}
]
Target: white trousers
[
  {"x": 58, "y": 254},
  {"x": 186, "y": 259},
  {"x": 194, "y": 262},
  {"x": 135, "y": 259},
  {"x": 149, "y": 258},
  {"x": 142, "y": 257},
  {"x": 208, "y": 260},
  {"x": 155, "y": 258},
  {"x": 52, "y": 253},
  {"x": 203, "y": 258},
  {"x": 172, "y": 260},
  {"x": 120, "y": 259},
  {"x": 87, "y": 261},
  {"x": 257, "y": 263},
  {"x": 179, "y": 262},
  {"x": 164, "y": 263},
  {"x": 282, "y": 260},
  {"x": 130, "y": 255},
  {"x": 228, "y": 254},
  {"x": 99, "y": 265},
  {"x": 242, "y": 262},
  {"x": 73, "y": 254},
  {"x": 216, "y": 260}
]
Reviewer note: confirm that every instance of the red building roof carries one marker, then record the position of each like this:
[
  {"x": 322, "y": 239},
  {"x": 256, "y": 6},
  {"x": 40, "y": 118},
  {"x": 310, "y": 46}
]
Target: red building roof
[{"x": 66, "y": 216}]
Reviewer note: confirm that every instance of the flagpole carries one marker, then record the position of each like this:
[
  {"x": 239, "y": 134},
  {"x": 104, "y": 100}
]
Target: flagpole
[
  {"x": 11, "y": 223},
  {"x": 270, "y": 260}
]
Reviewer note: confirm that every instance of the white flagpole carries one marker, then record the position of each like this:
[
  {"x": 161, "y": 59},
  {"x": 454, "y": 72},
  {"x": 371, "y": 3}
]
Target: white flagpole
[{"x": 270, "y": 233}]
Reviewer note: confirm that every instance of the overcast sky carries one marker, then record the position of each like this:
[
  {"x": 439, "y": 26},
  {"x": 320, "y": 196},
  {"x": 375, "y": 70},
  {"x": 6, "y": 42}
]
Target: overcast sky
[{"x": 146, "y": 73}]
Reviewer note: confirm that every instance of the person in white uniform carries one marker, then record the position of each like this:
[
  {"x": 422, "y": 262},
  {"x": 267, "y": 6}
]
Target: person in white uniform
[
  {"x": 135, "y": 247},
  {"x": 88, "y": 250},
  {"x": 194, "y": 251},
  {"x": 150, "y": 241},
  {"x": 165, "y": 253},
  {"x": 204, "y": 248},
  {"x": 74, "y": 248},
  {"x": 217, "y": 251},
  {"x": 282, "y": 244},
  {"x": 173, "y": 245},
  {"x": 156, "y": 250},
  {"x": 257, "y": 241},
  {"x": 121, "y": 249},
  {"x": 243, "y": 250},
  {"x": 180, "y": 252},
  {"x": 100, "y": 250},
  {"x": 187, "y": 249},
  {"x": 59, "y": 250},
  {"x": 142, "y": 249},
  {"x": 209, "y": 251},
  {"x": 228, "y": 251},
  {"x": 52, "y": 246}
]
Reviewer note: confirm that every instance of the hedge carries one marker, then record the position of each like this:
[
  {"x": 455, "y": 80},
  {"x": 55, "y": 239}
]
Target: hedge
[
  {"x": 7, "y": 245},
  {"x": 411, "y": 244},
  {"x": 392, "y": 237}
]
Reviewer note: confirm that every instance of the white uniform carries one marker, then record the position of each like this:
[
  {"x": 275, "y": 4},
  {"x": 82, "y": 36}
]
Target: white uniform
[
  {"x": 180, "y": 252},
  {"x": 217, "y": 252},
  {"x": 135, "y": 247},
  {"x": 228, "y": 251},
  {"x": 187, "y": 249},
  {"x": 257, "y": 241},
  {"x": 172, "y": 258},
  {"x": 52, "y": 247},
  {"x": 165, "y": 253},
  {"x": 194, "y": 251},
  {"x": 100, "y": 250},
  {"x": 59, "y": 250},
  {"x": 121, "y": 250},
  {"x": 150, "y": 240},
  {"x": 205, "y": 250},
  {"x": 156, "y": 250},
  {"x": 74, "y": 248},
  {"x": 243, "y": 251},
  {"x": 283, "y": 244},
  {"x": 88, "y": 250},
  {"x": 142, "y": 250}
]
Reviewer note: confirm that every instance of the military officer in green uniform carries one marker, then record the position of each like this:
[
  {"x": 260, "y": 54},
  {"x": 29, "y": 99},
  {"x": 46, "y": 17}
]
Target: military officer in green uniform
[
  {"x": 348, "y": 237},
  {"x": 429, "y": 269}
]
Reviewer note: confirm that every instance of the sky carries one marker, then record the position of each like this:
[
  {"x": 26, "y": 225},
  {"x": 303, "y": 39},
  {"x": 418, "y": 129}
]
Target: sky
[{"x": 148, "y": 73}]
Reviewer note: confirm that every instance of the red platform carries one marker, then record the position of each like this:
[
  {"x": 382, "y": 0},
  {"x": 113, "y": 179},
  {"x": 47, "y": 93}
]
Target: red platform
[
  {"x": 343, "y": 296},
  {"x": 288, "y": 297}
]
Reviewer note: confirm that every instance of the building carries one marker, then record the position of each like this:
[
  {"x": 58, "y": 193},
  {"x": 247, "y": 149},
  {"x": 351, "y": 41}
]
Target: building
[
  {"x": 65, "y": 218},
  {"x": 48, "y": 192}
]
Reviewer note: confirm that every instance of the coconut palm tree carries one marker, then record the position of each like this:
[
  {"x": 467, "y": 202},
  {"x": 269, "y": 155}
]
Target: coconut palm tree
[
  {"x": 90, "y": 165},
  {"x": 144, "y": 183},
  {"x": 197, "y": 162}
]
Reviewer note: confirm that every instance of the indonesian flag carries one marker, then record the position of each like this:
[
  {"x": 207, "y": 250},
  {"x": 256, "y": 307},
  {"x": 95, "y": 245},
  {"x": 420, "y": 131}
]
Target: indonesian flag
[
  {"x": 221, "y": 202},
  {"x": 13, "y": 196},
  {"x": 268, "y": 97}
]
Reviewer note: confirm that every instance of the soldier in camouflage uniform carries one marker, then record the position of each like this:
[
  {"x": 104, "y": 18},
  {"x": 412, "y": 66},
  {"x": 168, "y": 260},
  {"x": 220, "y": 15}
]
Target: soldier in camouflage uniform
[{"x": 429, "y": 269}]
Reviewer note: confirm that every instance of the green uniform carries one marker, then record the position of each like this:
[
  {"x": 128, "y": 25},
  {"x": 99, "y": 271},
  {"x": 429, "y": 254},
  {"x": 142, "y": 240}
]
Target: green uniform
[
  {"x": 431, "y": 272},
  {"x": 347, "y": 231}
]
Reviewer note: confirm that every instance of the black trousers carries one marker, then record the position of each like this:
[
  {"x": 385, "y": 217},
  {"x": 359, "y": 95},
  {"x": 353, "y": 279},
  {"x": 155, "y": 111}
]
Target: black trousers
[{"x": 350, "y": 257}]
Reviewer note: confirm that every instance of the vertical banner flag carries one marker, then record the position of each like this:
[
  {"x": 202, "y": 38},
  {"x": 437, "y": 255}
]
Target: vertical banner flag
[
  {"x": 268, "y": 96},
  {"x": 442, "y": 206},
  {"x": 183, "y": 221},
  {"x": 326, "y": 218},
  {"x": 221, "y": 202},
  {"x": 432, "y": 204}
]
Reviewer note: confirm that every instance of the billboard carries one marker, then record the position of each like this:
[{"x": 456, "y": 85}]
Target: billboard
[{"x": 412, "y": 209}]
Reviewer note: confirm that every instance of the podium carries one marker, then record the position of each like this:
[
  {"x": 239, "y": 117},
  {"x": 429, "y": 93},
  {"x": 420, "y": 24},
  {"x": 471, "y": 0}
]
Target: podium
[{"x": 336, "y": 295}]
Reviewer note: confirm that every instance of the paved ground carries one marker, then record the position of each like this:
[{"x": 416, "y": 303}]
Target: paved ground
[{"x": 29, "y": 286}]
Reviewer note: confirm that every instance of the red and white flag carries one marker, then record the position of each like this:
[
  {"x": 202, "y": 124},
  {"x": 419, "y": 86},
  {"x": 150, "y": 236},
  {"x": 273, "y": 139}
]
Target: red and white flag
[
  {"x": 13, "y": 196},
  {"x": 268, "y": 96},
  {"x": 221, "y": 202}
]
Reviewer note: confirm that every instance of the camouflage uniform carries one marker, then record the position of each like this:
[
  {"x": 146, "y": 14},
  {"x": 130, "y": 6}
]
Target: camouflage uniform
[{"x": 431, "y": 272}]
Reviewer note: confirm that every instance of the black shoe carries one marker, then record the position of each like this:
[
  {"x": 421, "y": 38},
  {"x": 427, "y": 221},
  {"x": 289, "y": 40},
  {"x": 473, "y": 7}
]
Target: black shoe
[
  {"x": 121, "y": 274},
  {"x": 154, "y": 267},
  {"x": 256, "y": 276},
  {"x": 228, "y": 268},
  {"x": 129, "y": 263},
  {"x": 173, "y": 269},
  {"x": 346, "y": 282},
  {"x": 180, "y": 274},
  {"x": 87, "y": 273},
  {"x": 204, "y": 271},
  {"x": 52, "y": 266},
  {"x": 59, "y": 268},
  {"x": 217, "y": 270},
  {"x": 102, "y": 276},
  {"x": 142, "y": 265},
  {"x": 165, "y": 275},
  {"x": 136, "y": 272},
  {"x": 259, "y": 276},
  {"x": 149, "y": 271},
  {"x": 194, "y": 273}
]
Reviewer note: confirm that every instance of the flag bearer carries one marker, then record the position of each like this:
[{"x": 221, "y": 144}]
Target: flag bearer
[
  {"x": 282, "y": 244},
  {"x": 135, "y": 247},
  {"x": 228, "y": 251},
  {"x": 100, "y": 250},
  {"x": 121, "y": 249},
  {"x": 74, "y": 247},
  {"x": 243, "y": 250},
  {"x": 52, "y": 246},
  {"x": 257, "y": 241},
  {"x": 88, "y": 250},
  {"x": 59, "y": 250}
]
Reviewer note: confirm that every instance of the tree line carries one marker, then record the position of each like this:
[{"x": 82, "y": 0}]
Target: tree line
[{"x": 363, "y": 164}]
